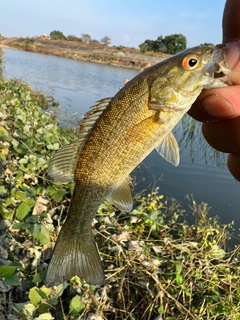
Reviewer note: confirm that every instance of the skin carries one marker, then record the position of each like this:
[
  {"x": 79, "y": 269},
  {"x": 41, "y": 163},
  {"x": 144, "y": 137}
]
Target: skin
[{"x": 219, "y": 109}]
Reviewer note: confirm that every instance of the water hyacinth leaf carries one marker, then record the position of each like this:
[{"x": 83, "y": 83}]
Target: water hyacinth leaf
[
  {"x": 22, "y": 211},
  {"x": 21, "y": 225},
  {"x": 7, "y": 271},
  {"x": 54, "y": 146},
  {"x": 36, "y": 296},
  {"x": 60, "y": 288},
  {"x": 46, "y": 291},
  {"x": 41, "y": 233},
  {"x": 58, "y": 196},
  {"x": 28, "y": 97},
  {"x": 76, "y": 305},
  {"x": 2, "y": 115},
  {"x": 6, "y": 214},
  {"x": 179, "y": 279},
  {"x": 45, "y": 316},
  {"x": 15, "y": 143},
  {"x": 3, "y": 132},
  {"x": 12, "y": 280},
  {"x": 2, "y": 190},
  {"x": 20, "y": 194},
  {"x": 28, "y": 310},
  {"x": 32, "y": 219},
  {"x": 216, "y": 252},
  {"x": 39, "y": 277},
  {"x": 44, "y": 307}
]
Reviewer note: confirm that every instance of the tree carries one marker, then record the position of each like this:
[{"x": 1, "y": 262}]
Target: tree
[
  {"x": 71, "y": 37},
  {"x": 95, "y": 42},
  {"x": 86, "y": 38},
  {"x": 207, "y": 44},
  {"x": 143, "y": 47},
  {"x": 148, "y": 44},
  {"x": 105, "y": 41},
  {"x": 175, "y": 43},
  {"x": 57, "y": 35},
  {"x": 170, "y": 44}
]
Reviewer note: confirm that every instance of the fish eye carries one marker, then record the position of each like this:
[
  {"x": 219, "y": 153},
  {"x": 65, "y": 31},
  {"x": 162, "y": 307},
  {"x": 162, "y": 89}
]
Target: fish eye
[{"x": 190, "y": 62}]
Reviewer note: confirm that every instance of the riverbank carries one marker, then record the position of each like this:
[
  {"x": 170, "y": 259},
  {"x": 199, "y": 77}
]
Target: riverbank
[{"x": 116, "y": 56}]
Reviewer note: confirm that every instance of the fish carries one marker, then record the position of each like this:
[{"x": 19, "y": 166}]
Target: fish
[{"x": 115, "y": 136}]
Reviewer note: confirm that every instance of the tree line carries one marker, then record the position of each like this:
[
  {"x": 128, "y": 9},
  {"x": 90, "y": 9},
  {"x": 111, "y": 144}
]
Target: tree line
[
  {"x": 171, "y": 44},
  {"x": 58, "y": 35}
]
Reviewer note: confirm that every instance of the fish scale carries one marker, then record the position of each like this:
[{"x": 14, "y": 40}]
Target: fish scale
[{"x": 115, "y": 136}]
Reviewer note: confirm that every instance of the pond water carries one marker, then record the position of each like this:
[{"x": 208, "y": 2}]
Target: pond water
[{"x": 78, "y": 84}]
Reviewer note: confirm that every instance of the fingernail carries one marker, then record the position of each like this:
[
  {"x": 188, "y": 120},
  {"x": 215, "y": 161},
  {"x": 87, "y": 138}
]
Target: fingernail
[
  {"x": 217, "y": 106},
  {"x": 232, "y": 53}
]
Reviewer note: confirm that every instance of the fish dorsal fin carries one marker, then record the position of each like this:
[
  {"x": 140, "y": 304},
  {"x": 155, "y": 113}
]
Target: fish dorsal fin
[
  {"x": 63, "y": 164},
  {"x": 169, "y": 149},
  {"x": 121, "y": 197}
]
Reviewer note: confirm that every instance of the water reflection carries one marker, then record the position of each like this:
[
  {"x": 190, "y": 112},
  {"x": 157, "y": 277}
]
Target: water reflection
[{"x": 189, "y": 136}]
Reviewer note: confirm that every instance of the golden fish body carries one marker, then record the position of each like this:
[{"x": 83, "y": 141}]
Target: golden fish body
[{"x": 116, "y": 135}]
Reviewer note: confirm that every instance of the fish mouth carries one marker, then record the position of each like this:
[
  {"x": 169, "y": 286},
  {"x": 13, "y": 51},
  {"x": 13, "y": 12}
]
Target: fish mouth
[{"x": 217, "y": 67}]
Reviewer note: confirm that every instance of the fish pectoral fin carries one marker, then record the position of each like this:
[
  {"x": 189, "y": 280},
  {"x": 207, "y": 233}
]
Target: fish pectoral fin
[
  {"x": 72, "y": 256},
  {"x": 121, "y": 197},
  {"x": 144, "y": 129},
  {"x": 169, "y": 149},
  {"x": 63, "y": 164}
]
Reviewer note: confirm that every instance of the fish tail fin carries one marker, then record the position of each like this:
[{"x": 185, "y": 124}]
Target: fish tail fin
[{"x": 74, "y": 255}]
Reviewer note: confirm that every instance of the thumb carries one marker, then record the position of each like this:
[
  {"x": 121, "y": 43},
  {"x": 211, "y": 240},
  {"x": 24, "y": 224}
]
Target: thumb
[{"x": 233, "y": 60}]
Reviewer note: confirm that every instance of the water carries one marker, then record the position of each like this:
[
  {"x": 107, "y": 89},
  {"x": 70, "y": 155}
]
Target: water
[{"x": 77, "y": 85}]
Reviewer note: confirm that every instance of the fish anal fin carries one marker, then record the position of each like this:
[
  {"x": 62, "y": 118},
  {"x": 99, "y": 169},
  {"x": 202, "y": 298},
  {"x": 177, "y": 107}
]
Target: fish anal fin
[
  {"x": 121, "y": 197},
  {"x": 169, "y": 150},
  {"x": 72, "y": 256}
]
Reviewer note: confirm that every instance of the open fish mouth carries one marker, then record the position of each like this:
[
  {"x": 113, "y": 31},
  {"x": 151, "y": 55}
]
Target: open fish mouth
[{"x": 217, "y": 66}]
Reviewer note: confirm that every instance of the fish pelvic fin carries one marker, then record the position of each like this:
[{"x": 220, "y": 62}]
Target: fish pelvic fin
[
  {"x": 121, "y": 196},
  {"x": 72, "y": 256}
]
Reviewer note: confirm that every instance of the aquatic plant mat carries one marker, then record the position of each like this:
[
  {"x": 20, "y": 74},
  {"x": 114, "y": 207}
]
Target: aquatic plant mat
[{"x": 157, "y": 265}]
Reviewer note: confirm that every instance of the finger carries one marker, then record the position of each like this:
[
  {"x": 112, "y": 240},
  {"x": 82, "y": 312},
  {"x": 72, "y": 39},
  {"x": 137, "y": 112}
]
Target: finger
[
  {"x": 234, "y": 165},
  {"x": 223, "y": 136},
  {"x": 231, "y": 21},
  {"x": 217, "y": 104},
  {"x": 231, "y": 37}
]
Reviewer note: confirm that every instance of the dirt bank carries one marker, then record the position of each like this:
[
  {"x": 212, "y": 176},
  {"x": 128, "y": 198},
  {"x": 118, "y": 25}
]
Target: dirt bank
[{"x": 124, "y": 57}]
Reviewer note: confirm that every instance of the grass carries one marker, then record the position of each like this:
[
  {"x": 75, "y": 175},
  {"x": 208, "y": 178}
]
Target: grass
[{"x": 157, "y": 265}]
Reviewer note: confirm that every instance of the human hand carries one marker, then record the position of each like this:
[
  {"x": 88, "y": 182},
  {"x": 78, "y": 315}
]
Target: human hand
[{"x": 219, "y": 108}]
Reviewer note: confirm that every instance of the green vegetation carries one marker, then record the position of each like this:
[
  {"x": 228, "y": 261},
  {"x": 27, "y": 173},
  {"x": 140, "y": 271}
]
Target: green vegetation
[
  {"x": 28, "y": 42},
  {"x": 1, "y": 62},
  {"x": 171, "y": 44},
  {"x": 157, "y": 265},
  {"x": 106, "y": 41},
  {"x": 57, "y": 35}
]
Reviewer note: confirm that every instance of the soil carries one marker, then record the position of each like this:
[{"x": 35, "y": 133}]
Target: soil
[{"x": 117, "y": 56}]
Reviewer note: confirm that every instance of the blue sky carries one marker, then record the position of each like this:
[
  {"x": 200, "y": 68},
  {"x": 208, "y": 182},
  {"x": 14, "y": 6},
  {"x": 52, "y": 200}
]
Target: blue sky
[{"x": 127, "y": 23}]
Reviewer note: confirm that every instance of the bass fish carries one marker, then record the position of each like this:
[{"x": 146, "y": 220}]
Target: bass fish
[{"x": 115, "y": 136}]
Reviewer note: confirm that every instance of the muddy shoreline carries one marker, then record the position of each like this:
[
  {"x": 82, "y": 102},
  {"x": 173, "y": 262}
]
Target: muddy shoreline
[{"x": 116, "y": 56}]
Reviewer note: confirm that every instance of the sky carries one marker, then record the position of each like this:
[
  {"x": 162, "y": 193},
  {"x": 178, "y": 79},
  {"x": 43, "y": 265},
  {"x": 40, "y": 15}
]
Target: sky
[{"x": 126, "y": 22}]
